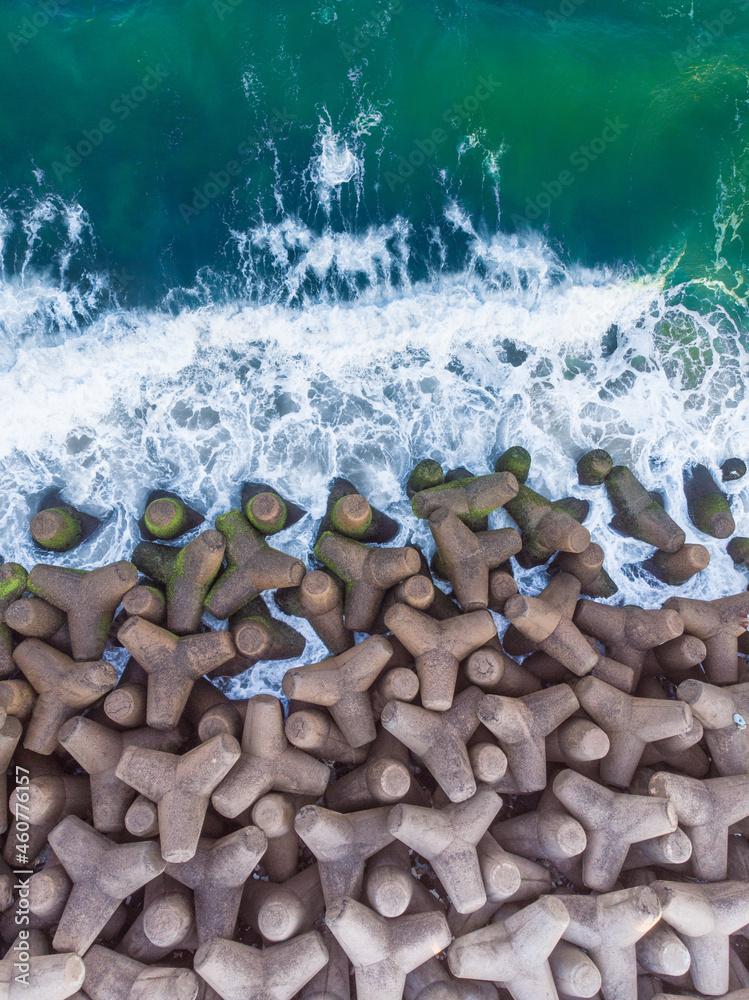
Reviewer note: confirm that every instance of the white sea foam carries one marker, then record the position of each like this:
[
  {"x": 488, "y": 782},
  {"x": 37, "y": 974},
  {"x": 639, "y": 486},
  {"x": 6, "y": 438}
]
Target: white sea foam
[
  {"x": 510, "y": 350},
  {"x": 334, "y": 164}
]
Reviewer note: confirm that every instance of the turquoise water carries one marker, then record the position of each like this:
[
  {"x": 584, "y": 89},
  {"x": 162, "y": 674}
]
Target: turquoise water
[
  {"x": 619, "y": 129},
  {"x": 245, "y": 240}
]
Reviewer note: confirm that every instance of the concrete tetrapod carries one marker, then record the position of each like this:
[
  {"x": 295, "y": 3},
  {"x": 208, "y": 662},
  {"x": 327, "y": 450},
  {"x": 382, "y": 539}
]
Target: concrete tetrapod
[
  {"x": 547, "y": 832},
  {"x": 497, "y": 673},
  {"x": 267, "y": 510},
  {"x": 630, "y": 724},
  {"x": 164, "y": 923},
  {"x": 11, "y": 731},
  {"x": 499, "y": 870},
  {"x": 389, "y": 883},
  {"x": 470, "y": 499},
  {"x": 238, "y": 972},
  {"x": 521, "y": 725},
  {"x": 627, "y": 633},
  {"x": 741, "y": 994},
  {"x": 515, "y": 460},
  {"x": 467, "y": 558},
  {"x": 186, "y": 573},
  {"x": 274, "y": 814},
  {"x": 89, "y": 599},
  {"x": 432, "y": 981},
  {"x": 145, "y": 601},
  {"x": 210, "y": 712},
  {"x": 613, "y": 822},
  {"x": 313, "y": 731},
  {"x": 577, "y": 741},
  {"x": 349, "y": 513},
  {"x": 103, "y": 874},
  {"x": 423, "y": 476},
  {"x": 551, "y": 630},
  {"x": 65, "y": 688},
  {"x": 719, "y": 624},
  {"x": 333, "y": 981},
  {"x": 98, "y": 750},
  {"x": 545, "y": 528},
  {"x": 575, "y": 973},
  {"x": 385, "y": 778},
  {"x": 383, "y": 951},
  {"x": 279, "y": 912},
  {"x": 267, "y": 762},
  {"x": 47, "y": 977},
  {"x": 341, "y": 683},
  {"x": 587, "y": 567},
  {"x": 708, "y": 506},
  {"x": 661, "y": 952},
  {"x": 608, "y": 927},
  {"x": 593, "y": 467},
  {"x": 367, "y": 573},
  {"x": 216, "y": 874},
  {"x": 125, "y": 707},
  {"x": 111, "y": 976},
  {"x": 438, "y": 647},
  {"x": 42, "y": 803},
  {"x": 639, "y": 514},
  {"x": 167, "y": 516},
  {"x": 515, "y": 950},
  {"x": 561, "y": 595},
  {"x": 319, "y": 599},
  {"x": 439, "y": 739},
  {"x": 704, "y": 915},
  {"x": 342, "y": 842},
  {"x": 723, "y": 713},
  {"x": 447, "y": 838},
  {"x": 675, "y": 568},
  {"x": 173, "y": 664},
  {"x": 706, "y": 809},
  {"x": 259, "y": 636},
  {"x": 17, "y": 697},
  {"x": 397, "y": 684},
  {"x": 38, "y": 619},
  {"x": 13, "y": 580},
  {"x": 181, "y": 786}
]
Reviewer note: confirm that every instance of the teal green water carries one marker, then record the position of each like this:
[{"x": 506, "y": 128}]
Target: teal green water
[{"x": 619, "y": 129}]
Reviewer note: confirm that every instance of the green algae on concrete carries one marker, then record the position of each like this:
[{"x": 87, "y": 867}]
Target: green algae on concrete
[
  {"x": 638, "y": 514},
  {"x": 352, "y": 516},
  {"x": 58, "y": 529},
  {"x": 267, "y": 512},
  {"x": 166, "y": 518},
  {"x": 515, "y": 460},
  {"x": 13, "y": 579},
  {"x": 593, "y": 467},
  {"x": 708, "y": 506},
  {"x": 426, "y": 474}
]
